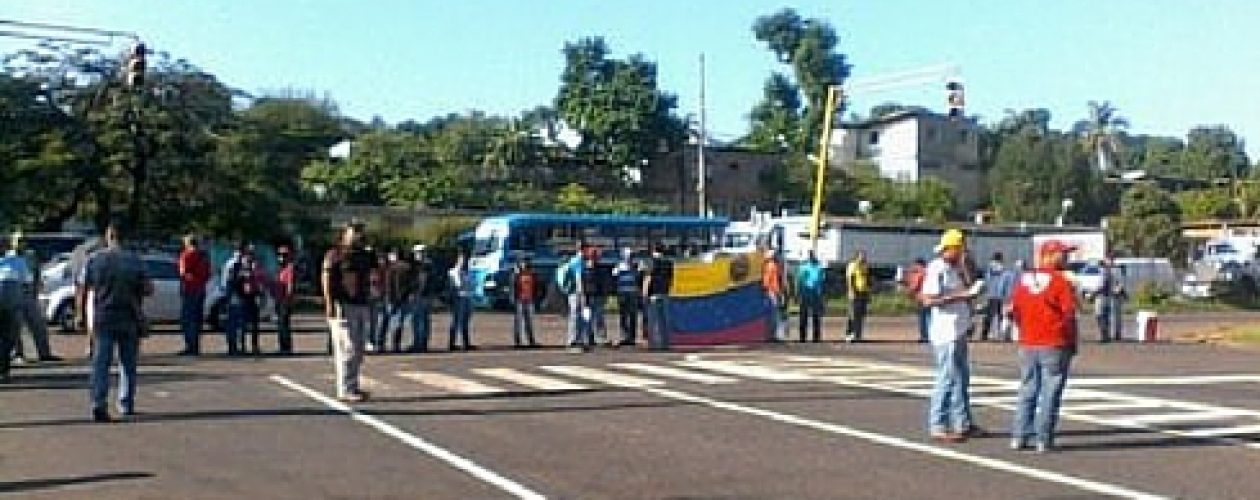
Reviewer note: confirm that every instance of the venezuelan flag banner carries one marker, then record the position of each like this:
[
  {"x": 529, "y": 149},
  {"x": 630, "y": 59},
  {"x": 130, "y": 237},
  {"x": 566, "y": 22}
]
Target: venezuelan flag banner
[{"x": 718, "y": 302}]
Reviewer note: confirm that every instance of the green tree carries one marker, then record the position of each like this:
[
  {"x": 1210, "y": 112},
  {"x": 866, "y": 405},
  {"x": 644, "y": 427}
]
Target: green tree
[
  {"x": 809, "y": 47},
  {"x": 1203, "y": 204},
  {"x": 617, "y": 106},
  {"x": 1149, "y": 224},
  {"x": 1214, "y": 152}
]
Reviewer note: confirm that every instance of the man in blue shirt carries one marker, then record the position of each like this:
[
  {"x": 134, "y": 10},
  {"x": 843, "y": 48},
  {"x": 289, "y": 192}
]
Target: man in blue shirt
[
  {"x": 627, "y": 275},
  {"x": 13, "y": 273},
  {"x": 998, "y": 280},
  {"x": 116, "y": 281},
  {"x": 810, "y": 279}
]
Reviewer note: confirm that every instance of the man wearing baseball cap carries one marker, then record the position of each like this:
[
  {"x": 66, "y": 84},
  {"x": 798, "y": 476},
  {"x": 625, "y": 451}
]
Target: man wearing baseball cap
[
  {"x": 1044, "y": 306},
  {"x": 947, "y": 291}
]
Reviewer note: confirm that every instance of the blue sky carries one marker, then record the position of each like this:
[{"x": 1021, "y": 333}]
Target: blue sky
[{"x": 1166, "y": 64}]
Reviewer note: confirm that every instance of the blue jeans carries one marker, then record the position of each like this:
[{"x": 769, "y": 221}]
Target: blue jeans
[
  {"x": 461, "y": 317},
  {"x": 191, "y": 307},
  {"x": 925, "y": 314},
  {"x": 284, "y": 326},
  {"x": 523, "y": 324},
  {"x": 420, "y": 325},
  {"x": 576, "y": 326},
  {"x": 628, "y": 313},
  {"x": 235, "y": 328},
  {"x": 1043, "y": 374},
  {"x": 778, "y": 318},
  {"x": 128, "y": 344},
  {"x": 950, "y": 406},
  {"x": 1109, "y": 313},
  {"x": 811, "y": 312},
  {"x": 656, "y": 316},
  {"x": 597, "y": 328}
]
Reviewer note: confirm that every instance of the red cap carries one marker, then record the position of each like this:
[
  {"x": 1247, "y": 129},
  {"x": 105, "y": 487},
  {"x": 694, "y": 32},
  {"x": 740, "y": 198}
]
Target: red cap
[{"x": 1055, "y": 246}]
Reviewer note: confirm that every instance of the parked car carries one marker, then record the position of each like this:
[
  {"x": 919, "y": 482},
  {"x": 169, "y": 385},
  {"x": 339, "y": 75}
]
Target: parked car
[{"x": 57, "y": 299}]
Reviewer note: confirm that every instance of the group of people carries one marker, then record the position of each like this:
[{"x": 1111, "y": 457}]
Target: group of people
[
  {"x": 639, "y": 286},
  {"x": 809, "y": 289},
  {"x": 1041, "y": 302},
  {"x": 246, "y": 284}
]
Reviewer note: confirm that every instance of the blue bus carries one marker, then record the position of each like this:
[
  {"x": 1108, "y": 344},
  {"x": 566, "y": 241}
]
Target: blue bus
[{"x": 547, "y": 239}]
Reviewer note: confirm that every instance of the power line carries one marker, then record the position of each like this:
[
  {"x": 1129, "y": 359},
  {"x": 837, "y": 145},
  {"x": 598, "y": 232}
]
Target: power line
[
  {"x": 66, "y": 28},
  {"x": 27, "y": 36}
]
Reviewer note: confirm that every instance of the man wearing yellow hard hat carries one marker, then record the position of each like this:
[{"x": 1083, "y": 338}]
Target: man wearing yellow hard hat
[{"x": 947, "y": 290}]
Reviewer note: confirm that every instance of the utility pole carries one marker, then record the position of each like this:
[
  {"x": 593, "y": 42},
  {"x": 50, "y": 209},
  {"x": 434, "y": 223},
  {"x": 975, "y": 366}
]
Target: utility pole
[{"x": 702, "y": 172}]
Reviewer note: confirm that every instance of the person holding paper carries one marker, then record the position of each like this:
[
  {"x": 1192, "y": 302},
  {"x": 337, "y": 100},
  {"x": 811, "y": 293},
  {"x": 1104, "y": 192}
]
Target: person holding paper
[{"x": 947, "y": 292}]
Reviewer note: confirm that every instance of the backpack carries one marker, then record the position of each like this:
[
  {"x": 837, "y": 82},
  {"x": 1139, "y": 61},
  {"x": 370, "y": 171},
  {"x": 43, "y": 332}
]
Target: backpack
[{"x": 565, "y": 279}]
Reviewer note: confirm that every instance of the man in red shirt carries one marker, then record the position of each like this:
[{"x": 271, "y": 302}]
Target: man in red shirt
[
  {"x": 194, "y": 273},
  {"x": 283, "y": 293},
  {"x": 1044, "y": 306}
]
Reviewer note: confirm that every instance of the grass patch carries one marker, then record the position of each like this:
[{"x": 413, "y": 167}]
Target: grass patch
[{"x": 1242, "y": 334}]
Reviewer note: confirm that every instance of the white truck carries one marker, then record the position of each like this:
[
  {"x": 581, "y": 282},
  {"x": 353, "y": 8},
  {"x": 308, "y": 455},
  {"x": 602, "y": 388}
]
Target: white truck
[
  {"x": 888, "y": 246},
  {"x": 1226, "y": 265}
]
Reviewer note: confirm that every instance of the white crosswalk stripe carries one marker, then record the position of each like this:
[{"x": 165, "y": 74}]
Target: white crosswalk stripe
[
  {"x": 676, "y": 373},
  {"x": 451, "y": 383},
  {"x": 602, "y": 376},
  {"x": 530, "y": 380},
  {"x": 1165, "y": 418},
  {"x": 1242, "y": 430}
]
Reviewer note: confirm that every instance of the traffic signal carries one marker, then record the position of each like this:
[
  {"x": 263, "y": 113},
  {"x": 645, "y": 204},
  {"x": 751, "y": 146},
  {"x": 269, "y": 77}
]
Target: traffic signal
[
  {"x": 135, "y": 66},
  {"x": 954, "y": 98}
]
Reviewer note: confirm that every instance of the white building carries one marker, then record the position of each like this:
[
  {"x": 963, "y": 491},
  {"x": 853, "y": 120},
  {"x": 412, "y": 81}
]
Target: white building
[{"x": 913, "y": 145}]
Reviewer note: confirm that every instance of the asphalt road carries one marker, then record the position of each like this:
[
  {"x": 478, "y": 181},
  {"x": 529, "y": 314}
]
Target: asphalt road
[{"x": 795, "y": 421}]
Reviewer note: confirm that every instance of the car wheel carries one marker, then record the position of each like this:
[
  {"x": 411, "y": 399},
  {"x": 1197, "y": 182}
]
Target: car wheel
[{"x": 64, "y": 316}]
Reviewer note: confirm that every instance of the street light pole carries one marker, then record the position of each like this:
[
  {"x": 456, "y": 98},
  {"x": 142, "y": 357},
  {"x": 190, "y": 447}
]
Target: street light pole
[
  {"x": 834, "y": 93},
  {"x": 702, "y": 171}
]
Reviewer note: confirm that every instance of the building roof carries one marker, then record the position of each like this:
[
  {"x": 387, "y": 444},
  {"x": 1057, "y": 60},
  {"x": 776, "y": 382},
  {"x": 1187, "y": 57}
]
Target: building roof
[{"x": 899, "y": 116}]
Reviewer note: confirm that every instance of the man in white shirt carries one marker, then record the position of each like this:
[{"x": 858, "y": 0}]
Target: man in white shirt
[{"x": 946, "y": 291}]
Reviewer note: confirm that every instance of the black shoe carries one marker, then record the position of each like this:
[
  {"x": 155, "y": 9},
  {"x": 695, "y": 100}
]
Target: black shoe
[
  {"x": 101, "y": 416},
  {"x": 470, "y": 348}
]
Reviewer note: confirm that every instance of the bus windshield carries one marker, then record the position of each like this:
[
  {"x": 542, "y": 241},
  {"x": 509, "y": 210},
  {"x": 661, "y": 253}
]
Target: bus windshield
[{"x": 485, "y": 246}]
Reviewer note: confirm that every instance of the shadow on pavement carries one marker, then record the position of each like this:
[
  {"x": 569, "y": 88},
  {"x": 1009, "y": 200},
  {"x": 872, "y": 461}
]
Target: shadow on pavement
[
  {"x": 79, "y": 381},
  {"x": 1134, "y": 444},
  {"x": 144, "y": 418},
  {"x": 51, "y": 483}
]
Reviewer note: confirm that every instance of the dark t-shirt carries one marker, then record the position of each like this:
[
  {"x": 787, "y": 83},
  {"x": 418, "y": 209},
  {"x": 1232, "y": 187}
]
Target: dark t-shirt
[
  {"x": 662, "y": 273},
  {"x": 350, "y": 274},
  {"x": 117, "y": 280}
]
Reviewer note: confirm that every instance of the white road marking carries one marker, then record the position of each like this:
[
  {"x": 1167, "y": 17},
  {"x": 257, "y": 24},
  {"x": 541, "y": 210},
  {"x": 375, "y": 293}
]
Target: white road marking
[
  {"x": 905, "y": 444},
  {"x": 472, "y": 468},
  {"x": 602, "y": 376},
  {"x": 1122, "y": 405},
  {"x": 798, "y": 368},
  {"x": 745, "y": 370},
  {"x": 1160, "y": 380},
  {"x": 451, "y": 383},
  {"x": 539, "y": 382},
  {"x": 1177, "y": 417},
  {"x": 1225, "y": 431},
  {"x": 671, "y": 372}
]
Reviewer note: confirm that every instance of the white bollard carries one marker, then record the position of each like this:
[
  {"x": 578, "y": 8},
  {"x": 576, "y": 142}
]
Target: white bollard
[{"x": 1147, "y": 326}]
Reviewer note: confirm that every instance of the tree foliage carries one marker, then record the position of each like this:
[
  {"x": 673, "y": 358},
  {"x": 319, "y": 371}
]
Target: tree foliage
[
  {"x": 1149, "y": 224},
  {"x": 617, "y": 106}
]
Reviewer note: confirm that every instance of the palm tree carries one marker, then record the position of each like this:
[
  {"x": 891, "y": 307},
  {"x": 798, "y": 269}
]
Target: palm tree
[{"x": 1100, "y": 133}]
